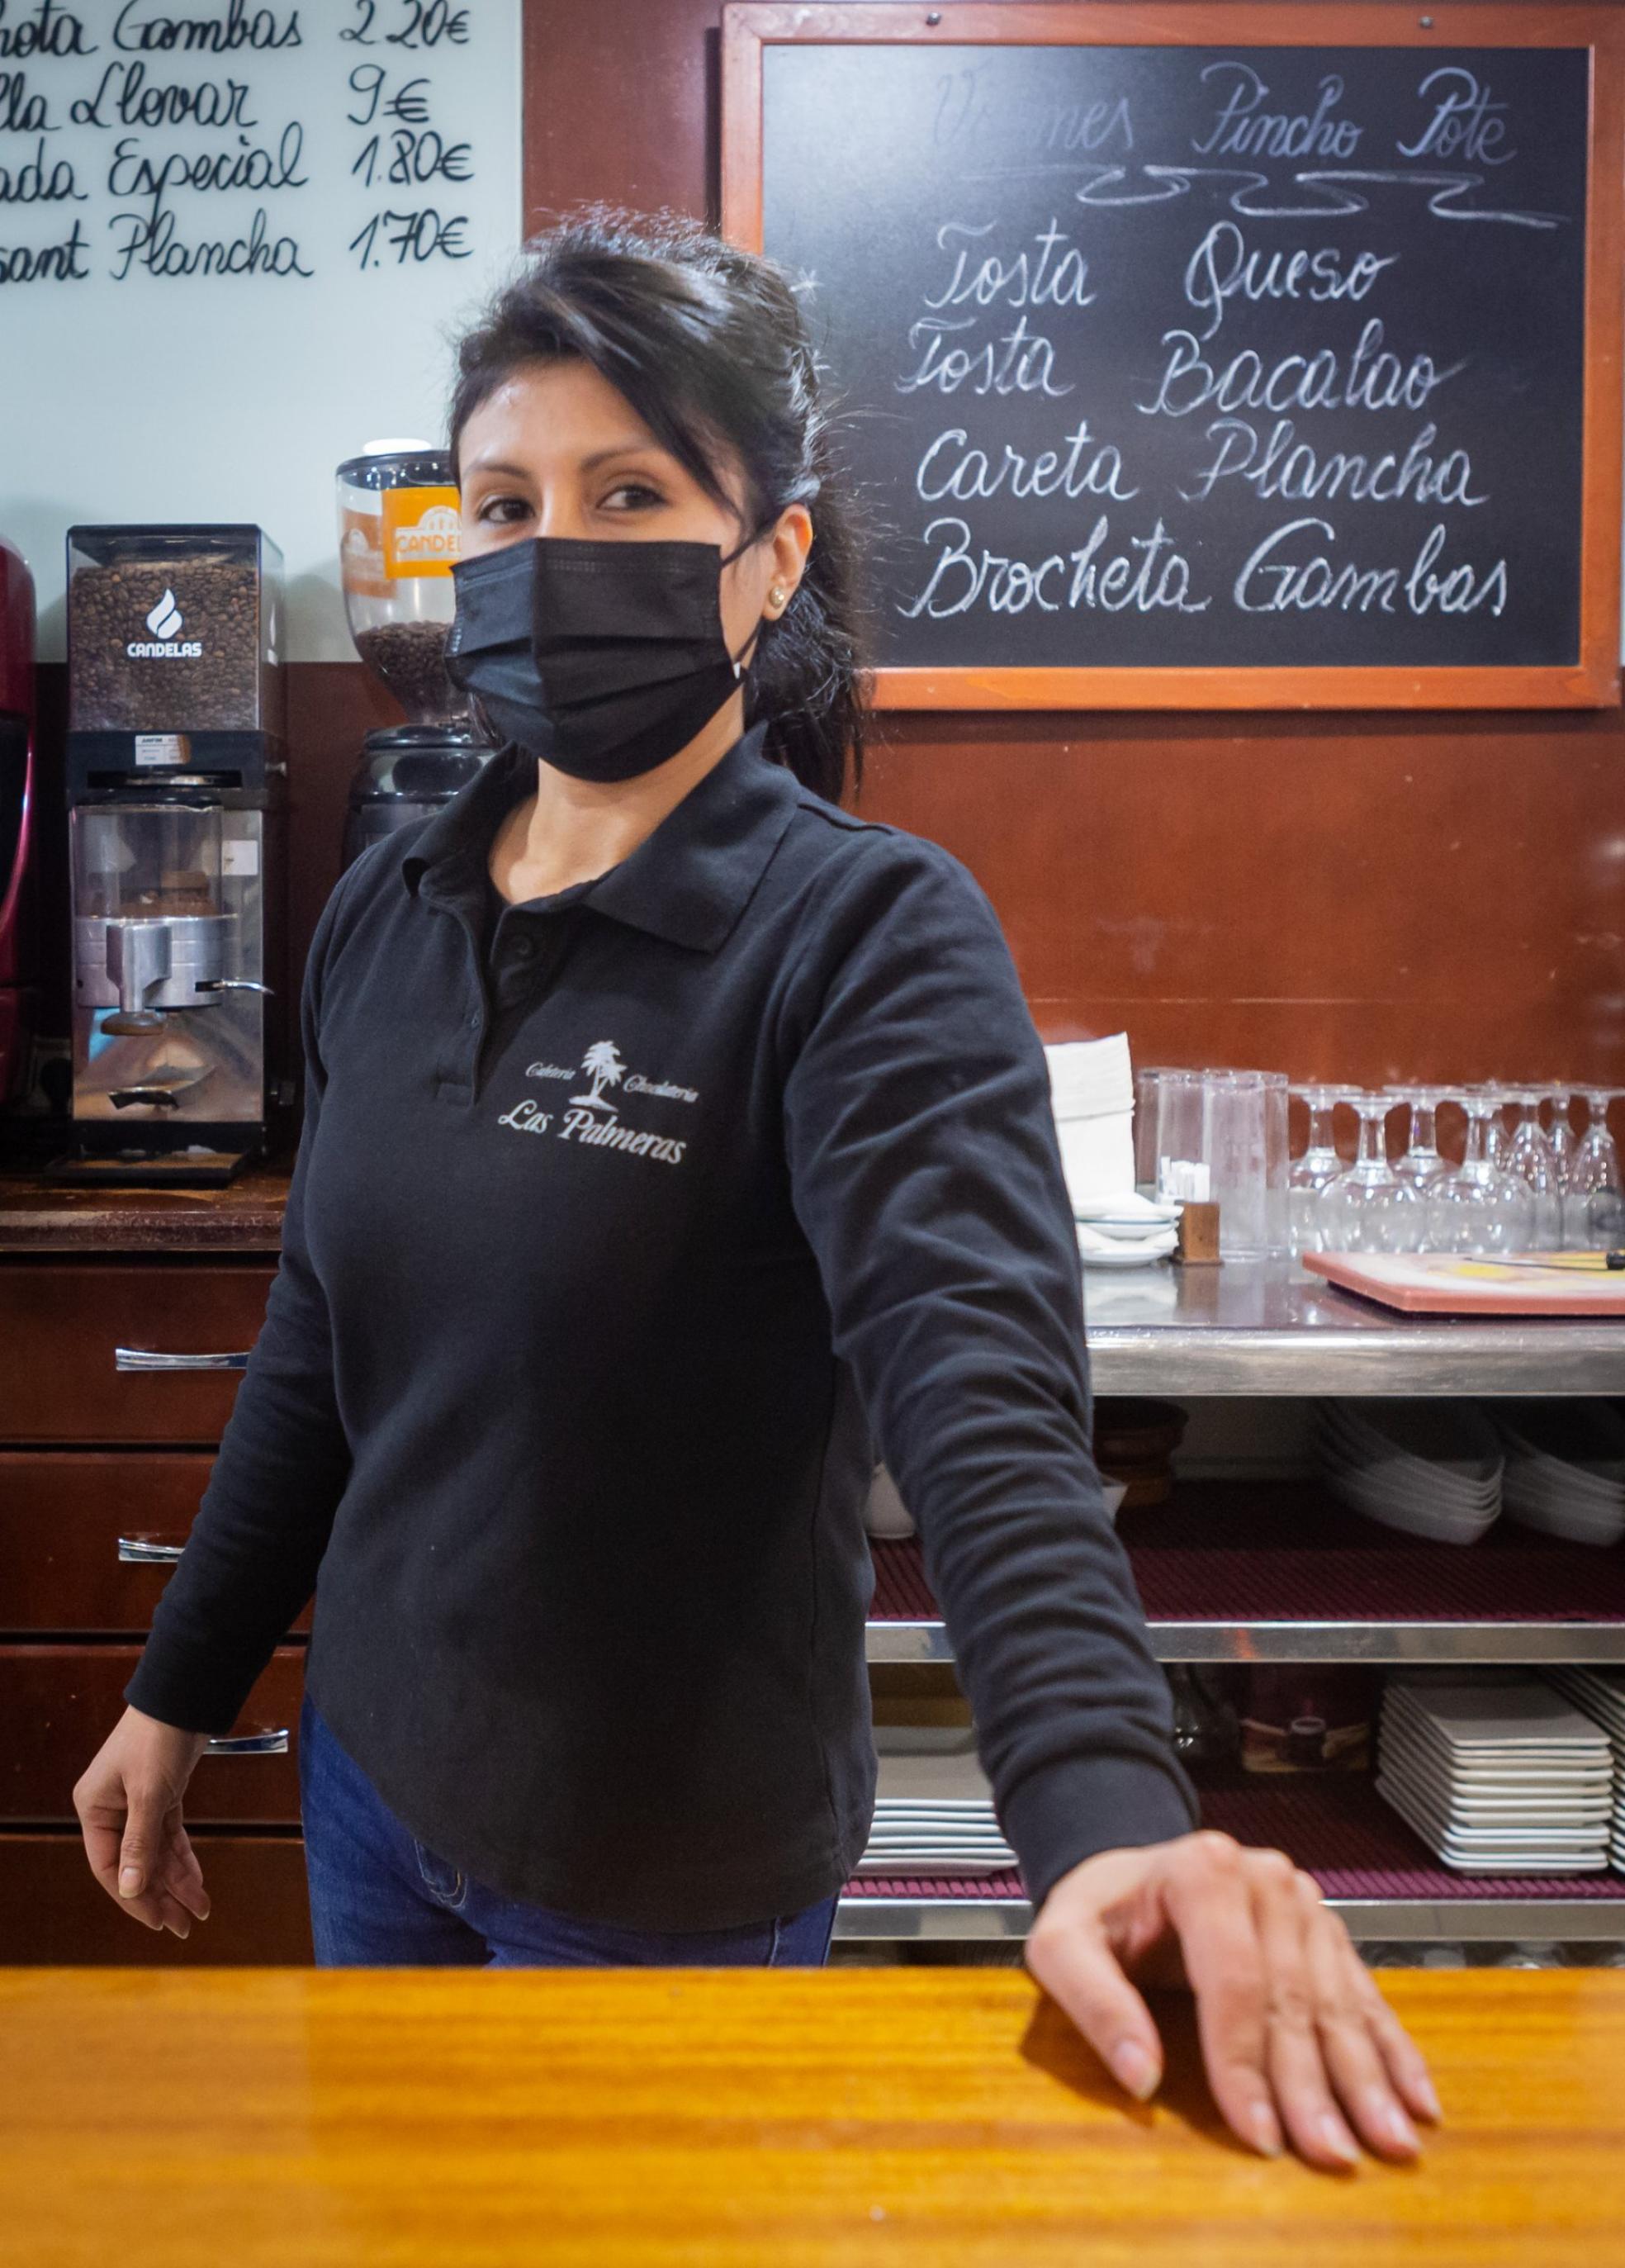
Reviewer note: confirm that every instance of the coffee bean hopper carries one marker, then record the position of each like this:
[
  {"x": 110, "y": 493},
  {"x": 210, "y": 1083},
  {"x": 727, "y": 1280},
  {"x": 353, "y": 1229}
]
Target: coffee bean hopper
[
  {"x": 177, "y": 774},
  {"x": 399, "y": 530}
]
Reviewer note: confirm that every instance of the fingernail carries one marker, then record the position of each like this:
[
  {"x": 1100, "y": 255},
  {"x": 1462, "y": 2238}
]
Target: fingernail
[
  {"x": 1265, "y": 2128},
  {"x": 1431, "y": 2103},
  {"x": 129, "y": 1880},
  {"x": 1338, "y": 2140},
  {"x": 1397, "y": 2125},
  {"x": 1134, "y": 2069}
]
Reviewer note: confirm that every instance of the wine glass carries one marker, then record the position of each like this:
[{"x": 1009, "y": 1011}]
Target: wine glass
[
  {"x": 1368, "y": 1208},
  {"x": 1594, "y": 1208},
  {"x": 1319, "y": 1165},
  {"x": 1498, "y": 1142},
  {"x": 1531, "y": 1159},
  {"x": 1478, "y": 1208},
  {"x": 1421, "y": 1162},
  {"x": 1560, "y": 1134}
]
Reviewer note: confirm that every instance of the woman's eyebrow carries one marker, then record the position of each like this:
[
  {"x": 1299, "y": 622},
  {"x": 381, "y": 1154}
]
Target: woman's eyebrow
[{"x": 588, "y": 464}]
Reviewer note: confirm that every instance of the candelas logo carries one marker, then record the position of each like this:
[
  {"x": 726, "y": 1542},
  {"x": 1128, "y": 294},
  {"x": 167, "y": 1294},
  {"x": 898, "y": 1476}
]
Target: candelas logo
[
  {"x": 591, "y": 1120},
  {"x": 437, "y": 535},
  {"x": 165, "y": 644}
]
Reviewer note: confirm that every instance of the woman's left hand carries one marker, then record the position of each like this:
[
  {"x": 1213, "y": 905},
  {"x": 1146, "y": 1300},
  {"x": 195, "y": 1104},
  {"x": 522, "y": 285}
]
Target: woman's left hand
[{"x": 1296, "y": 2036}]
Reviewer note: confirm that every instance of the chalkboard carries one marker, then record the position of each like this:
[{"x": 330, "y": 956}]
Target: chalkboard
[
  {"x": 1209, "y": 370},
  {"x": 236, "y": 242}
]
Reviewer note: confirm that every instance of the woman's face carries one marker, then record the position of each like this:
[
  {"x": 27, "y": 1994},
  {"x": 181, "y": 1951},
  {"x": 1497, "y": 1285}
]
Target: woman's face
[{"x": 556, "y": 450}]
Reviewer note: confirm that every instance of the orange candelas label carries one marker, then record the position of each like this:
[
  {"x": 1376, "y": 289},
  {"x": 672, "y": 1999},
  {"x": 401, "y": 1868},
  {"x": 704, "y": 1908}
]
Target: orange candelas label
[{"x": 423, "y": 531}]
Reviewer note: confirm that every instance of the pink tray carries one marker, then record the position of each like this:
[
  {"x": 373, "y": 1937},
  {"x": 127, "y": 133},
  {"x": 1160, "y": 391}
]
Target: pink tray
[{"x": 1442, "y": 1284}]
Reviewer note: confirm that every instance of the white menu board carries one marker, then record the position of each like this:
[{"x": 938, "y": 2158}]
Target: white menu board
[{"x": 236, "y": 242}]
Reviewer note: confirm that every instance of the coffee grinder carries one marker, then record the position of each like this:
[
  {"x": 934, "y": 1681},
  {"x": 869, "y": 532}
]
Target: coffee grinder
[
  {"x": 177, "y": 792},
  {"x": 400, "y": 528}
]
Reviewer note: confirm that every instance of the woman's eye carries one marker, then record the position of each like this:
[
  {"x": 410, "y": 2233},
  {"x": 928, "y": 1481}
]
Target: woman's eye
[
  {"x": 638, "y": 489},
  {"x": 488, "y": 509}
]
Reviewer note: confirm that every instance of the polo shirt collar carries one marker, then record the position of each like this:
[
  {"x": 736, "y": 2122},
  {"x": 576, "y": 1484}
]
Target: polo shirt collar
[{"x": 688, "y": 881}]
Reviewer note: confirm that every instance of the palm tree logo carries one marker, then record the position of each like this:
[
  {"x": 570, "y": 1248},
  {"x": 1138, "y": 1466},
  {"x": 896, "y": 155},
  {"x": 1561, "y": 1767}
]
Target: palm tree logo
[{"x": 603, "y": 1065}]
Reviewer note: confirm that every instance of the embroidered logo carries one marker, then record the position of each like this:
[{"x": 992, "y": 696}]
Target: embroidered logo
[
  {"x": 590, "y": 1119},
  {"x": 603, "y": 1067}
]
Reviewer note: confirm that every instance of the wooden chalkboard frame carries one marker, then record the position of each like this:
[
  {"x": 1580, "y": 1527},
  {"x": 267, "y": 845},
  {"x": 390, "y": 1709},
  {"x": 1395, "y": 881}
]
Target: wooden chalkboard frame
[{"x": 1593, "y": 681}]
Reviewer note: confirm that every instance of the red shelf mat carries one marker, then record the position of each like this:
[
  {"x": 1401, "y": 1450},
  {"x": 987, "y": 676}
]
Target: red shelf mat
[
  {"x": 1336, "y": 1827},
  {"x": 1237, "y": 1551}
]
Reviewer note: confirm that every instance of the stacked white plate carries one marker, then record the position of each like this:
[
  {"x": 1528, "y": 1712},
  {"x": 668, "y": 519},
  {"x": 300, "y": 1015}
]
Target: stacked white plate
[
  {"x": 1599, "y": 1694},
  {"x": 934, "y": 1835},
  {"x": 1125, "y": 1230},
  {"x": 1497, "y": 1773},
  {"x": 1432, "y": 1468},
  {"x": 1565, "y": 1468}
]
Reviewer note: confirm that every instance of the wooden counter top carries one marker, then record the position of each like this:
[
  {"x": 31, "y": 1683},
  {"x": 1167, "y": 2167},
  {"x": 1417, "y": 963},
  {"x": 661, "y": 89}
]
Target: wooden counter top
[
  {"x": 244, "y": 1216},
  {"x": 719, "y": 2118}
]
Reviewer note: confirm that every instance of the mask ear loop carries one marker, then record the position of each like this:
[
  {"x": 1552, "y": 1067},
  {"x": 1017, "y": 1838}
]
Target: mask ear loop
[{"x": 727, "y": 559}]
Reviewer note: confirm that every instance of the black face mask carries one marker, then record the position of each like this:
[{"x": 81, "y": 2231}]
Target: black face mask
[{"x": 602, "y": 658}]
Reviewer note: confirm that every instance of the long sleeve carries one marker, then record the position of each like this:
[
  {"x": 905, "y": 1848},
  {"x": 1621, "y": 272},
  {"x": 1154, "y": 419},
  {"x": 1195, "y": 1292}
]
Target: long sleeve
[
  {"x": 926, "y": 1174},
  {"x": 262, "y": 1527}
]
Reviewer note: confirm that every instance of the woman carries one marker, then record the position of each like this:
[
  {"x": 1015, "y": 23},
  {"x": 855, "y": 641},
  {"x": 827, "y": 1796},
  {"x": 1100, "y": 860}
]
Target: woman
[{"x": 668, "y": 1130}]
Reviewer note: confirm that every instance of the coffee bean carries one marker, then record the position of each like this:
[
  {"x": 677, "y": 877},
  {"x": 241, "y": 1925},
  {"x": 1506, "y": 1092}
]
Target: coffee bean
[
  {"x": 215, "y": 604},
  {"x": 410, "y": 659}
]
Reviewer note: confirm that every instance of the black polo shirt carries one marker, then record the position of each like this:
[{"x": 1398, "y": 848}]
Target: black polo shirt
[{"x": 610, "y": 1260}]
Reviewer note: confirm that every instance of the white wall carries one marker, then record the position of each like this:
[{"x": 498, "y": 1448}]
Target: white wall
[{"x": 134, "y": 395}]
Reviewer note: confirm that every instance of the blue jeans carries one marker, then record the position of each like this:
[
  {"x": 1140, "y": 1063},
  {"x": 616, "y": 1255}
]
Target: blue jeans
[{"x": 379, "y": 1898}]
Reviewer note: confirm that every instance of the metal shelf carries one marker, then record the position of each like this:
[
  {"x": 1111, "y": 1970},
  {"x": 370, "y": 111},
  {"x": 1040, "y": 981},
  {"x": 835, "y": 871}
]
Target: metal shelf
[
  {"x": 1370, "y": 1867},
  {"x": 1243, "y": 1571},
  {"x": 1269, "y": 1327}
]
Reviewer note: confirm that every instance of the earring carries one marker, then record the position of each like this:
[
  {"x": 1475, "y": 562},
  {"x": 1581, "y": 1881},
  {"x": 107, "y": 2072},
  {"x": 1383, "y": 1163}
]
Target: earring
[{"x": 776, "y": 595}]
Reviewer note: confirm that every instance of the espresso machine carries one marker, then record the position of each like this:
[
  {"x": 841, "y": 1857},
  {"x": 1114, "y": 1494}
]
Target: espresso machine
[
  {"x": 399, "y": 527},
  {"x": 177, "y": 794}
]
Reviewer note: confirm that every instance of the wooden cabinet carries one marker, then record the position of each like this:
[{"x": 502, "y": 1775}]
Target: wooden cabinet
[
  {"x": 52, "y": 1909},
  {"x": 110, "y": 1350},
  {"x": 88, "y": 1537},
  {"x": 118, "y": 1369}
]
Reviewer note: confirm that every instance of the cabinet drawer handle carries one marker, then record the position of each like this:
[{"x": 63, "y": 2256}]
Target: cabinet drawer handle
[
  {"x": 249, "y": 1744},
  {"x": 137, "y": 1548},
  {"x": 146, "y": 1359}
]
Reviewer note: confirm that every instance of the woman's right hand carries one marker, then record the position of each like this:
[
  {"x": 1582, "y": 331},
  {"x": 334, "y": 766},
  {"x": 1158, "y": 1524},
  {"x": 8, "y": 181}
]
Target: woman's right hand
[{"x": 129, "y": 1802}]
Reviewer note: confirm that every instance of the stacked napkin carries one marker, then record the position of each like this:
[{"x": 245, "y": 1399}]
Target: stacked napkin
[{"x": 1092, "y": 1090}]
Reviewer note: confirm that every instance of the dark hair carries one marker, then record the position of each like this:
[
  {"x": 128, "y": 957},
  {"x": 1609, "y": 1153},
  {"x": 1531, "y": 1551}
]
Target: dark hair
[{"x": 706, "y": 343}]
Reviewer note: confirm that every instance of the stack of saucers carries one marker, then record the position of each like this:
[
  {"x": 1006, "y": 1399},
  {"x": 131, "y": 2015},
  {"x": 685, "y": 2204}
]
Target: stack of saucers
[
  {"x": 1565, "y": 1468},
  {"x": 935, "y": 1834},
  {"x": 1432, "y": 1468},
  {"x": 1497, "y": 1773},
  {"x": 1125, "y": 1230},
  {"x": 1599, "y": 1694}
]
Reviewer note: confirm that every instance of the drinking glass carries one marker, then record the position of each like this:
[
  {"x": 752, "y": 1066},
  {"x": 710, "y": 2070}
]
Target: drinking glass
[
  {"x": 1319, "y": 1165},
  {"x": 1497, "y": 1141},
  {"x": 1594, "y": 1207},
  {"x": 1421, "y": 1162},
  {"x": 1531, "y": 1159},
  {"x": 1168, "y": 1130},
  {"x": 1560, "y": 1134},
  {"x": 1244, "y": 1147},
  {"x": 1369, "y": 1208},
  {"x": 1478, "y": 1208}
]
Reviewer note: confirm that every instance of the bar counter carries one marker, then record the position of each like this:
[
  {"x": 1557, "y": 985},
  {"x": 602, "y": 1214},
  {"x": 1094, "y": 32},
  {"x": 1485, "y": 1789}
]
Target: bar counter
[
  {"x": 1240, "y": 1327},
  {"x": 720, "y": 2117}
]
